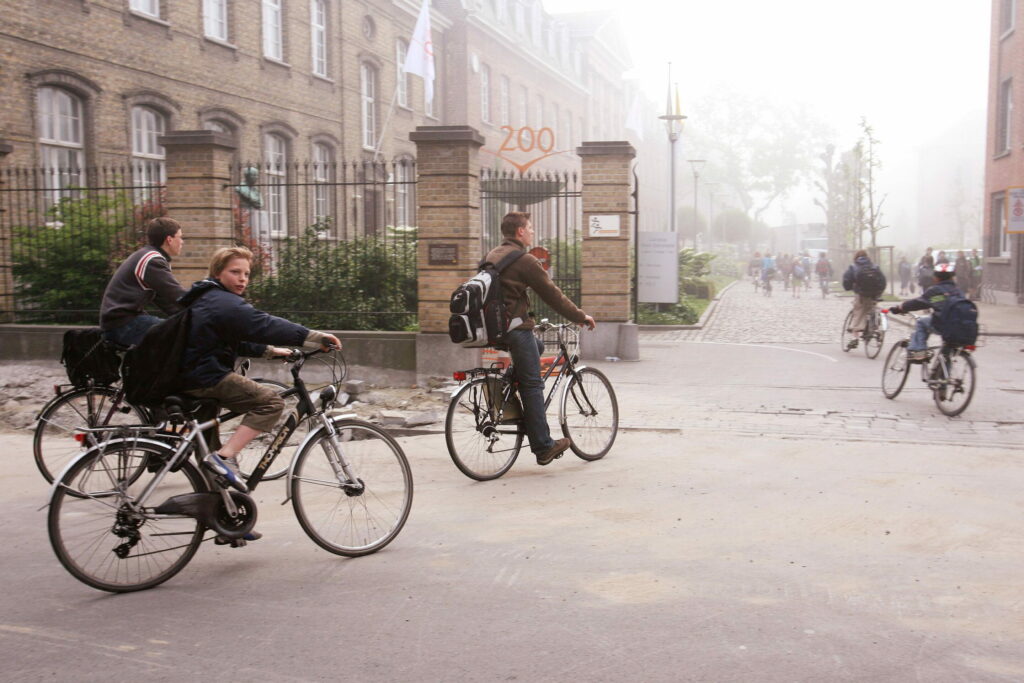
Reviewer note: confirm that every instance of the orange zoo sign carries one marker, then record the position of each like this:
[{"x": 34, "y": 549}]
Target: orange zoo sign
[{"x": 525, "y": 140}]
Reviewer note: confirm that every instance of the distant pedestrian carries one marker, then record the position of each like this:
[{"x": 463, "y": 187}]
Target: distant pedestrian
[
  {"x": 976, "y": 266},
  {"x": 904, "y": 271},
  {"x": 925, "y": 266},
  {"x": 962, "y": 273},
  {"x": 941, "y": 258},
  {"x": 798, "y": 274},
  {"x": 805, "y": 261}
]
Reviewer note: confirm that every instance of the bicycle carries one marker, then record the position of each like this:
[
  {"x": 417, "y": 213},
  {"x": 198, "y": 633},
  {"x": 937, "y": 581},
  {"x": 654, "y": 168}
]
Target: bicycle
[
  {"x": 484, "y": 428},
  {"x": 766, "y": 283},
  {"x": 825, "y": 285},
  {"x": 948, "y": 372},
  {"x": 131, "y": 512},
  {"x": 873, "y": 334},
  {"x": 62, "y": 425}
]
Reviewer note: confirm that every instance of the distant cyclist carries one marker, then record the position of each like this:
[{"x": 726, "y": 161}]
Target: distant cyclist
[
  {"x": 767, "y": 272},
  {"x": 867, "y": 282}
]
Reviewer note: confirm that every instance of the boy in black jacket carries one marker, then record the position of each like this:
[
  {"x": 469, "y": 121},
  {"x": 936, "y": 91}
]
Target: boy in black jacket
[{"x": 935, "y": 298}]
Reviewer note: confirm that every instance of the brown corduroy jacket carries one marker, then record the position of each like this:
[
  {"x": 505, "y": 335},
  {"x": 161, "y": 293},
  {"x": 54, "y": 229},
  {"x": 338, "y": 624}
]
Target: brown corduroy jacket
[{"x": 527, "y": 273}]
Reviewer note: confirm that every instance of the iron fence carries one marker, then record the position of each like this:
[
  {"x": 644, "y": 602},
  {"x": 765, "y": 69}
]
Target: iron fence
[
  {"x": 62, "y": 231},
  {"x": 335, "y": 243},
  {"x": 554, "y": 201}
]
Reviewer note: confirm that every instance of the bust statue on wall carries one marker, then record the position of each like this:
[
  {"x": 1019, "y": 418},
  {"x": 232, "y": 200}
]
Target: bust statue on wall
[{"x": 248, "y": 194}]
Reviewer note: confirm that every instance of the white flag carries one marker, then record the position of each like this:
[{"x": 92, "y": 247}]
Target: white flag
[
  {"x": 420, "y": 58},
  {"x": 635, "y": 118}
]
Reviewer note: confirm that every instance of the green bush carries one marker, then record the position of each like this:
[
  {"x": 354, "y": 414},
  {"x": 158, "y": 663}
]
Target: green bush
[{"x": 368, "y": 283}]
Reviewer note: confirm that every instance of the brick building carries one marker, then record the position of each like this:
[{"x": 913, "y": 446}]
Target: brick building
[{"x": 1004, "y": 165}]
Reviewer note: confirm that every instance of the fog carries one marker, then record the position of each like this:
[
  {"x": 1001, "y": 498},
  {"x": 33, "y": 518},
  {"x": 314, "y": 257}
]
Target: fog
[{"x": 916, "y": 70}]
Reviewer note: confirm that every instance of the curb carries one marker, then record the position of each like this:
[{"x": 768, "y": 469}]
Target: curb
[{"x": 705, "y": 317}]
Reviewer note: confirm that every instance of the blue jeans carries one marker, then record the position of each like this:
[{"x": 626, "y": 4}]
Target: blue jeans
[
  {"x": 525, "y": 351},
  {"x": 132, "y": 332},
  {"x": 919, "y": 340}
]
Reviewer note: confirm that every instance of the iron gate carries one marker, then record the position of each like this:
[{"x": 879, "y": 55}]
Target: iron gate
[{"x": 554, "y": 201}]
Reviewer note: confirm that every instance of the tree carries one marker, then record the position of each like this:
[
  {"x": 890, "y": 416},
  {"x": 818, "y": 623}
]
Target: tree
[{"x": 872, "y": 220}]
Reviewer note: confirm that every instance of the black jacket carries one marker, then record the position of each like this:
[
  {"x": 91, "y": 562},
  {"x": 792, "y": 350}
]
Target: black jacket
[
  {"x": 934, "y": 297},
  {"x": 850, "y": 276},
  {"x": 225, "y": 326},
  {"x": 144, "y": 278}
]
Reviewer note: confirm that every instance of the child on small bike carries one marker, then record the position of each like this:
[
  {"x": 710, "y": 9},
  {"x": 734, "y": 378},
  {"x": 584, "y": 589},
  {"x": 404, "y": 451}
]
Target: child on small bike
[{"x": 935, "y": 298}]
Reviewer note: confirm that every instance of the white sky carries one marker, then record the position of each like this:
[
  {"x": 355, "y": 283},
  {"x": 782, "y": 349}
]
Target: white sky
[{"x": 917, "y": 69}]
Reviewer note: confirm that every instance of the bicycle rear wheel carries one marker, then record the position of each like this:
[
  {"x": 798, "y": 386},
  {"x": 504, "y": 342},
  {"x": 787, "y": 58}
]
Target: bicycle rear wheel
[
  {"x": 895, "y": 371},
  {"x": 954, "y": 388},
  {"x": 58, "y": 438},
  {"x": 102, "y": 539},
  {"x": 481, "y": 449},
  {"x": 874, "y": 335},
  {"x": 589, "y": 413},
  {"x": 358, "y": 517},
  {"x": 847, "y": 336}
]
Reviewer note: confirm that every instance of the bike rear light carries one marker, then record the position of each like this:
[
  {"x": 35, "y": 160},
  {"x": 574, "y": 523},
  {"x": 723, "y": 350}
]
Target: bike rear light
[
  {"x": 885, "y": 310},
  {"x": 459, "y": 376},
  {"x": 80, "y": 438},
  {"x": 972, "y": 347}
]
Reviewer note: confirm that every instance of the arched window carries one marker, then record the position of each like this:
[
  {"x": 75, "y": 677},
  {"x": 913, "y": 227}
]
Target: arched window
[
  {"x": 401, "y": 49},
  {"x": 368, "y": 96},
  {"x": 147, "y": 156},
  {"x": 275, "y": 208},
  {"x": 61, "y": 139},
  {"x": 321, "y": 173}
]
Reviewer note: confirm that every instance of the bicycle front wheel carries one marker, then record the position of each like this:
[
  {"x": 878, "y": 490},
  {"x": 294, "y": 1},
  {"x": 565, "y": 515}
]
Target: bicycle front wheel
[
  {"x": 357, "y": 516},
  {"x": 589, "y": 414},
  {"x": 897, "y": 367},
  {"x": 59, "y": 437},
  {"x": 481, "y": 449},
  {"x": 102, "y": 536},
  {"x": 847, "y": 336},
  {"x": 954, "y": 388}
]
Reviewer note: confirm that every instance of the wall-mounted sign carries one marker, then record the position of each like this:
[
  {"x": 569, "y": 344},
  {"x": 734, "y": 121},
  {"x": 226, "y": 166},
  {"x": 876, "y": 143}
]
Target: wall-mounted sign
[
  {"x": 604, "y": 226},
  {"x": 1015, "y": 210},
  {"x": 443, "y": 254},
  {"x": 658, "y": 268},
  {"x": 542, "y": 255}
]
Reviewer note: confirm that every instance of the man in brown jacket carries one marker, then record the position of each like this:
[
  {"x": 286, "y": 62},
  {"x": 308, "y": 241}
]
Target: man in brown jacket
[{"x": 526, "y": 273}]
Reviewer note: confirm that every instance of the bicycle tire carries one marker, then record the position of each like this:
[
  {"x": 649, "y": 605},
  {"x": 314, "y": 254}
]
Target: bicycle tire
[
  {"x": 250, "y": 456},
  {"x": 895, "y": 370},
  {"x": 846, "y": 337},
  {"x": 55, "y": 440},
  {"x": 88, "y": 511},
  {"x": 344, "y": 523},
  {"x": 874, "y": 335},
  {"x": 480, "y": 449},
  {"x": 589, "y": 413},
  {"x": 957, "y": 382}
]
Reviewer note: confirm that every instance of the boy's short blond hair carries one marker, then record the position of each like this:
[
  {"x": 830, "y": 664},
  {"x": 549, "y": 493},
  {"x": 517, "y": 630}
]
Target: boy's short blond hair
[{"x": 225, "y": 255}]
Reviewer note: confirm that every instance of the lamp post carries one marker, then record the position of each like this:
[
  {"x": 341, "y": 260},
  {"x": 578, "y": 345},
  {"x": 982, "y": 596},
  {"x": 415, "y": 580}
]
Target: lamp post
[
  {"x": 696, "y": 165},
  {"x": 674, "y": 126}
]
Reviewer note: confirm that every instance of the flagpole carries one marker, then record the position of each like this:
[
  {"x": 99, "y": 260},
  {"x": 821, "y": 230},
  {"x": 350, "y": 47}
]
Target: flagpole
[{"x": 387, "y": 120}]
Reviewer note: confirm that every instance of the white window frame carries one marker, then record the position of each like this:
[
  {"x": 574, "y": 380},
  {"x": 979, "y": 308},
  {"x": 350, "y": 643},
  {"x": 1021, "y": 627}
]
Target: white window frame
[
  {"x": 402, "y": 78},
  {"x": 323, "y": 158},
  {"x": 368, "y": 83},
  {"x": 485, "y": 93},
  {"x": 148, "y": 157},
  {"x": 273, "y": 29},
  {"x": 539, "y": 117},
  {"x": 1004, "y": 123},
  {"x": 403, "y": 197},
  {"x": 318, "y": 37},
  {"x": 274, "y": 215},
  {"x": 61, "y": 125},
  {"x": 520, "y": 17},
  {"x": 504, "y": 109},
  {"x": 1007, "y": 17},
  {"x": 150, "y": 8},
  {"x": 1000, "y": 238},
  {"x": 215, "y": 19}
]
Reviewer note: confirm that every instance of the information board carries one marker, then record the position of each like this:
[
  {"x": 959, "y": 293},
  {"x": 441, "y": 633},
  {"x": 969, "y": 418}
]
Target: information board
[{"x": 658, "y": 267}]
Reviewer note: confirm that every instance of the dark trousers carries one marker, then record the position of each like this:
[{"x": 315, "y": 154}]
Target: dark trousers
[{"x": 525, "y": 351}]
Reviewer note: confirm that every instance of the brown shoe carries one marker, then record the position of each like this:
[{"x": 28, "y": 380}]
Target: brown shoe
[{"x": 555, "y": 451}]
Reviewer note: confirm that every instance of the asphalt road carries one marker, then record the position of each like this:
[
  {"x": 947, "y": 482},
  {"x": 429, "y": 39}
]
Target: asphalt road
[{"x": 765, "y": 515}]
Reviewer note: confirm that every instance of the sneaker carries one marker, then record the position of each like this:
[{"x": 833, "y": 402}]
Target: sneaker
[
  {"x": 917, "y": 355},
  {"x": 227, "y": 469},
  {"x": 852, "y": 344},
  {"x": 237, "y": 542},
  {"x": 555, "y": 451}
]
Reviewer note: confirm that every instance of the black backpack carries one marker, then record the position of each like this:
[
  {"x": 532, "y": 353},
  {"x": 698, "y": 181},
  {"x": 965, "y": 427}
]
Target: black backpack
[
  {"x": 869, "y": 280},
  {"x": 152, "y": 370},
  {"x": 958, "y": 321},
  {"x": 478, "y": 310},
  {"x": 89, "y": 359}
]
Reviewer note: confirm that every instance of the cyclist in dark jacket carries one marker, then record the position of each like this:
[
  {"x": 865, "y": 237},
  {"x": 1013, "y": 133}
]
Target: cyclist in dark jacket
[
  {"x": 935, "y": 298},
  {"x": 863, "y": 302},
  {"x": 223, "y": 327}
]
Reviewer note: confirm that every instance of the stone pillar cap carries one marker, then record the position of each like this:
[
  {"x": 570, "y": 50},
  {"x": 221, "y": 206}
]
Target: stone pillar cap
[
  {"x": 611, "y": 147},
  {"x": 197, "y": 137},
  {"x": 447, "y": 134}
]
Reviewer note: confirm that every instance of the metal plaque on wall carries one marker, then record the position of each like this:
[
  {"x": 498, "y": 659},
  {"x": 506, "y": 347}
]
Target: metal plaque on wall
[{"x": 443, "y": 254}]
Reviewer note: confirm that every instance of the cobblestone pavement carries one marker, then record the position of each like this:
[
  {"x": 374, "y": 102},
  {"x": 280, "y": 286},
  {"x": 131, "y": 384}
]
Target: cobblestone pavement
[{"x": 773, "y": 366}]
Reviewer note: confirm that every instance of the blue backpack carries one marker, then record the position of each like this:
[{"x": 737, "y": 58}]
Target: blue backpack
[{"x": 958, "y": 322}]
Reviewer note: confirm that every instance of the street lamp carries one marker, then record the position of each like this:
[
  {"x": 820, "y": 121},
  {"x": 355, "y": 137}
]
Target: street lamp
[
  {"x": 697, "y": 165},
  {"x": 674, "y": 126}
]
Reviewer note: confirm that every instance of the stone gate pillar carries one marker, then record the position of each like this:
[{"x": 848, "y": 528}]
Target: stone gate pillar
[
  {"x": 198, "y": 168},
  {"x": 605, "y": 287},
  {"x": 448, "y": 217}
]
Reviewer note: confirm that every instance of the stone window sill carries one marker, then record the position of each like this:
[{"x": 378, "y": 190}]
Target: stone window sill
[{"x": 149, "y": 17}]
